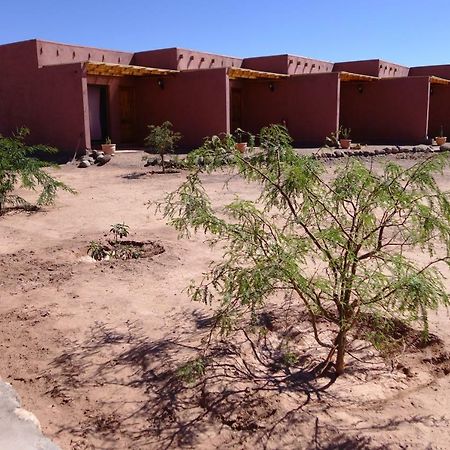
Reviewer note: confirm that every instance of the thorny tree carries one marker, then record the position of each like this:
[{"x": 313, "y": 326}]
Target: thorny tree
[
  {"x": 20, "y": 168},
  {"x": 343, "y": 246}
]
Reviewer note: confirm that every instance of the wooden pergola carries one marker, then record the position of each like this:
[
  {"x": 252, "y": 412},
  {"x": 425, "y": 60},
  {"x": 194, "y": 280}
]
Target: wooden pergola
[
  {"x": 120, "y": 70},
  {"x": 235, "y": 73}
]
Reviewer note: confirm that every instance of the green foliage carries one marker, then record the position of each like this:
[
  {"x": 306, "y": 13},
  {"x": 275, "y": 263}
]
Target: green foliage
[
  {"x": 115, "y": 249},
  {"x": 162, "y": 140},
  {"x": 108, "y": 141},
  {"x": 19, "y": 168},
  {"x": 289, "y": 358},
  {"x": 192, "y": 370},
  {"x": 126, "y": 252},
  {"x": 119, "y": 230},
  {"x": 97, "y": 250},
  {"x": 344, "y": 133},
  {"x": 332, "y": 141},
  {"x": 341, "y": 243}
]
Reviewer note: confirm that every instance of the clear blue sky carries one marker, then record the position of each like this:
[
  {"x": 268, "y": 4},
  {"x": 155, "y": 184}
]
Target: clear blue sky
[{"x": 410, "y": 32}]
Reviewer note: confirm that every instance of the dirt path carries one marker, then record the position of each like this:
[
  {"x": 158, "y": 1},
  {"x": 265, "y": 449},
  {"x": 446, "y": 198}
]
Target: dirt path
[{"x": 90, "y": 346}]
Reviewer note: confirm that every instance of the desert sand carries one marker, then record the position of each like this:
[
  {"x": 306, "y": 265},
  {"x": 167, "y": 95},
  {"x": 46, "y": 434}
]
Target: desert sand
[{"x": 93, "y": 347}]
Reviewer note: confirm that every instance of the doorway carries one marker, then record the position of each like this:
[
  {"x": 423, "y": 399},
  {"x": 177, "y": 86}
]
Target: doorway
[
  {"x": 127, "y": 100},
  {"x": 98, "y": 112},
  {"x": 236, "y": 109}
]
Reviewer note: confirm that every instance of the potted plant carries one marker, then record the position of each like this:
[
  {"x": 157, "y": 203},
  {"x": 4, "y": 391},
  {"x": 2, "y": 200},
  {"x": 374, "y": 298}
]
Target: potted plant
[
  {"x": 241, "y": 144},
  {"x": 108, "y": 148},
  {"x": 441, "y": 139},
  {"x": 344, "y": 137}
]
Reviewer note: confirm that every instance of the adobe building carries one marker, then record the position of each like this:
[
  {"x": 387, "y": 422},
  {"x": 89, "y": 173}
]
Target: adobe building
[{"x": 74, "y": 97}]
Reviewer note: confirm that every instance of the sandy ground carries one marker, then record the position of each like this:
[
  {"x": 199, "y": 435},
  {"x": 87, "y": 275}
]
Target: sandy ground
[{"x": 92, "y": 347}]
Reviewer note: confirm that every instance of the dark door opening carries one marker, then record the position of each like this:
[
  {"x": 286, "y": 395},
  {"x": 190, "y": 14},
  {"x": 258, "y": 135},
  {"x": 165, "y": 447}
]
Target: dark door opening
[
  {"x": 236, "y": 109},
  {"x": 127, "y": 99},
  {"x": 98, "y": 113}
]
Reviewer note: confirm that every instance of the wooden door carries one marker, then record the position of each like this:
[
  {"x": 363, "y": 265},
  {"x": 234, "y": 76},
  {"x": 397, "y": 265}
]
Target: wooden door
[
  {"x": 127, "y": 99},
  {"x": 236, "y": 109}
]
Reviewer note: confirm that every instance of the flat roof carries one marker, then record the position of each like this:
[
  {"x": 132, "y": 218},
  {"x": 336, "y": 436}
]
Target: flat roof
[{"x": 120, "y": 70}]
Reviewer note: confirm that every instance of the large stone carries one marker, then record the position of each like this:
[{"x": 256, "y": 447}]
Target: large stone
[
  {"x": 84, "y": 163},
  {"x": 421, "y": 148},
  {"x": 103, "y": 159},
  {"x": 338, "y": 154},
  {"x": 445, "y": 147},
  {"x": 151, "y": 161},
  {"x": 19, "y": 429}
]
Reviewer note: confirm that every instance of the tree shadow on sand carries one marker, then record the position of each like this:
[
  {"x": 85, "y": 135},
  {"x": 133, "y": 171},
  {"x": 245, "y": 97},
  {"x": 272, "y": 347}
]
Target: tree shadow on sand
[{"x": 246, "y": 396}]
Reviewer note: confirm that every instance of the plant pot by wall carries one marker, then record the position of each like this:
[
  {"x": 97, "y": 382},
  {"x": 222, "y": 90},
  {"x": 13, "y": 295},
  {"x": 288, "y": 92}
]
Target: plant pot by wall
[
  {"x": 440, "y": 140},
  {"x": 109, "y": 149},
  {"x": 345, "y": 143},
  {"x": 241, "y": 146}
]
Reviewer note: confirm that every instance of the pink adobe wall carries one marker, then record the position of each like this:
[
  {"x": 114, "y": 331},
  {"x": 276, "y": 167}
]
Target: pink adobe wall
[
  {"x": 165, "y": 58},
  {"x": 183, "y": 59},
  {"x": 60, "y": 108},
  {"x": 18, "y": 70},
  {"x": 196, "y": 102},
  {"x": 442, "y": 71},
  {"x": 372, "y": 67},
  {"x": 49, "y": 101},
  {"x": 287, "y": 64},
  {"x": 49, "y": 53},
  {"x": 308, "y": 104},
  {"x": 439, "y": 110},
  {"x": 390, "y": 110}
]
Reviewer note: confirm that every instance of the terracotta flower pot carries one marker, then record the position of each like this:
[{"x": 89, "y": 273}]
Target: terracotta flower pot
[
  {"x": 345, "y": 143},
  {"x": 241, "y": 146},
  {"x": 440, "y": 140},
  {"x": 109, "y": 149}
]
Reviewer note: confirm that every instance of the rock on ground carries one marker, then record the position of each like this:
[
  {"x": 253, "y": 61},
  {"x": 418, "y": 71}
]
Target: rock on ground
[{"x": 19, "y": 429}]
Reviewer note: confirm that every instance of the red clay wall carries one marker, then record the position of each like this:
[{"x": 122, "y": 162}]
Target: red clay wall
[
  {"x": 183, "y": 59},
  {"x": 165, "y": 58},
  {"x": 308, "y": 104},
  {"x": 196, "y": 102},
  {"x": 287, "y": 64},
  {"x": 59, "y": 108},
  {"x": 442, "y": 71},
  {"x": 48, "y": 101},
  {"x": 16, "y": 90},
  {"x": 391, "y": 110},
  {"x": 439, "y": 110},
  {"x": 50, "y": 53},
  {"x": 372, "y": 67}
]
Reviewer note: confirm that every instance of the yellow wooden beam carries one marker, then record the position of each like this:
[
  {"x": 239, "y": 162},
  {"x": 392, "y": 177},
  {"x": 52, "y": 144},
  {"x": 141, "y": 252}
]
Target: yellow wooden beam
[{"x": 118, "y": 70}]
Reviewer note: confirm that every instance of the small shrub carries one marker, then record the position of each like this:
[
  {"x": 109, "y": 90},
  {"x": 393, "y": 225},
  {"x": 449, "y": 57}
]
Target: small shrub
[
  {"x": 126, "y": 252},
  {"x": 289, "y": 358},
  {"x": 115, "y": 249},
  {"x": 97, "y": 250},
  {"x": 192, "y": 370},
  {"x": 341, "y": 246},
  {"x": 119, "y": 230},
  {"x": 162, "y": 140},
  {"x": 19, "y": 168}
]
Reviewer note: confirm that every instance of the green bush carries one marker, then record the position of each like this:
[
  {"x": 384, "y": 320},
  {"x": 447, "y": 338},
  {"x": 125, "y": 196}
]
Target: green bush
[
  {"x": 20, "y": 168},
  {"x": 339, "y": 243}
]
